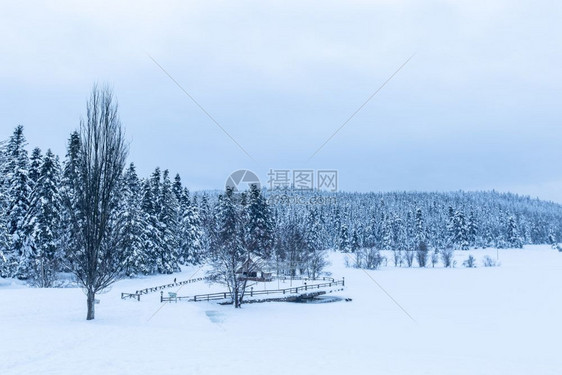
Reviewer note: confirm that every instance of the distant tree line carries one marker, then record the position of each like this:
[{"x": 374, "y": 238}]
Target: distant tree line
[{"x": 404, "y": 220}]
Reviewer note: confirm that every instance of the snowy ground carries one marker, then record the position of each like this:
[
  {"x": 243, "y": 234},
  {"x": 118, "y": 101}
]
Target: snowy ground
[{"x": 503, "y": 320}]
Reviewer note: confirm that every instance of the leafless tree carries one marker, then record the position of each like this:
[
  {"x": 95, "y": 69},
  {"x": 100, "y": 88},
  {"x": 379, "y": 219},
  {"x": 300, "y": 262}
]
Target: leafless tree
[
  {"x": 447, "y": 255},
  {"x": 409, "y": 256},
  {"x": 397, "y": 256},
  {"x": 373, "y": 259},
  {"x": 316, "y": 262},
  {"x": 422, "y": 253},
  {"x": 434, "y": 257},
  {"x": 96, "y": 258}
]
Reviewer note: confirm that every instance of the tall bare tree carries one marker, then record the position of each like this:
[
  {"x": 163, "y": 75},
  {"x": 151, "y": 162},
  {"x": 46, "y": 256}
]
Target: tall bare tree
[{"x": 96, "y": 255}]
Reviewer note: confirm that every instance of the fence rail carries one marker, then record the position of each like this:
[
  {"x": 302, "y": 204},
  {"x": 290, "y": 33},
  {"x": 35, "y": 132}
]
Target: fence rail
[
  {"x": 252, "y": 293},
  {"x": 140, "y": 292}
]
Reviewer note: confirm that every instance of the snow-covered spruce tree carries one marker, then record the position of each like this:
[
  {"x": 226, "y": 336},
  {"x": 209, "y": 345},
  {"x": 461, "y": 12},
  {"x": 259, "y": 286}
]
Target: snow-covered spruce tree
[
  {"x": 133, "y": 234},
  {"x": 96, "y": 258},
  {"x": 18, "y": 194},
  {"x": 4, "y": 238},
  {"x": 161, "y": 239},
  {"x": 335, "y": 229},
  {"x": 69, "y": 199},
  {"x": 354, "y": 244},
  {"x": 35, "y": 162},
  {"x": 207, "y": 221},
  {"x": 151, "y": 235},
  {"x": 372, "y": 234},
  {"x": 472, "y": 230},
  {"x": 228, "y": 251},
  {"x": 45, "y": 214},
  {"x": 188, "y": 225},
  {"x": 315, "y": 256},
  {"x": 190, "y": 232},
  {"x": 168, "y": 226},
  {"x": 344, "y": 243},
  {"x": 460, "y": 235},
  {"x": 422, "y": 252},
  {"x": 512, "y": 235},
  {"x": 260, "y": 226}
]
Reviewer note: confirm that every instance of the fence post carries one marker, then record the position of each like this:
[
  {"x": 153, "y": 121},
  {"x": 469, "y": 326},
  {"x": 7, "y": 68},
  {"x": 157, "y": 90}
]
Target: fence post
[
  {"x": 161, "y": 296},
  {"x": 343, "y": 281},
  {"x": 138, "y": 297},
  {"x": 305, "y": 287}
]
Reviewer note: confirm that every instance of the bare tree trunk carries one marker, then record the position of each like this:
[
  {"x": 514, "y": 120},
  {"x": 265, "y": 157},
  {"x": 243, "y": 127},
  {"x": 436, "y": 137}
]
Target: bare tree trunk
[
  {"x": 91, "y": 299},
  {"x": 236, "y": 301},
  {"x": 242, "y": 292}
]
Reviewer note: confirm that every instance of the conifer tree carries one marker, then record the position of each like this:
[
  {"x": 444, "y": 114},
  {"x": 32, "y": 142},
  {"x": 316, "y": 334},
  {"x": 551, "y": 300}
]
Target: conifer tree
[
  {"x": 344, "y": 243},
  {"x": 151, "y": 236},
  {"x": 18, "y": 193},
  {"x": 315, "y": 257},
  {"x": 168, "y": 226},
  {"x": 190, "y": 232},
  {"x": 68, "y": 196},
  {"x": 512, "y": 235},
  {"x": 46, "y": 210},
  {"x": 35, "y": 162},
  {"x": 137, "y": 261},
  {"x": 259, "y": 227}
]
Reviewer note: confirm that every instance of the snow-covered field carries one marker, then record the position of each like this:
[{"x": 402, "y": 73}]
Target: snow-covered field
[{"x": 503, "y": 320}]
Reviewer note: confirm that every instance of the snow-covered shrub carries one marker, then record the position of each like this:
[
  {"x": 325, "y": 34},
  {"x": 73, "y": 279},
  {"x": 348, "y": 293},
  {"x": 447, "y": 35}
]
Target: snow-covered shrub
[
  {"x": 447, "y": 257},
  {"x": 370, "y": 258},
  {"x": 470, "y": 262},
  {"x": 488, "y": 261},
  {"x": 397, "y": 257},
  {"x": 373, "y": 259},
  {"x": 435, "y": 257},
  {"x": 409, "y": 257}
]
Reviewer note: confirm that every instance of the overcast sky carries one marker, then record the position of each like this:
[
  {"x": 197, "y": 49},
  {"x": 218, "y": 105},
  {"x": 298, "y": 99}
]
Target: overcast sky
[{"x": 477, "y": 107}]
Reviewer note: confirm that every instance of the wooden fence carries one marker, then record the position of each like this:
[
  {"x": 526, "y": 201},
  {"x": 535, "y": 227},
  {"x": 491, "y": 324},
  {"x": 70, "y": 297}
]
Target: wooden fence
[
  {"x": 138, "y": 293},
  {"x": 252, "y": 293}
]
